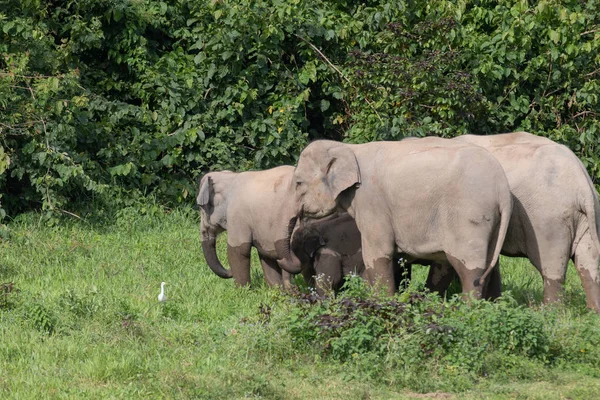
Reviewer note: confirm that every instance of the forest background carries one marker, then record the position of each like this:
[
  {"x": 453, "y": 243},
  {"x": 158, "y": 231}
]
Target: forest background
[{"x": 114, "y": 100}]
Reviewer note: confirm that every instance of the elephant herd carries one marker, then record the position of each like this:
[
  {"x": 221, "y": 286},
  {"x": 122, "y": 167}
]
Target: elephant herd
[{"x": 454, "y": 204}]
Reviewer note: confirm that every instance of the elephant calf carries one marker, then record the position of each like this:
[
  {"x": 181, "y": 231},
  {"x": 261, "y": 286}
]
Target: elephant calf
[{"x": 329, "y": 250}]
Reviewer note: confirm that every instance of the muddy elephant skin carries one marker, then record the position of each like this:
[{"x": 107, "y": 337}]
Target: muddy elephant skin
[
  {"x": 250, "y": 207},
  {"x": 556, "y": 214}
]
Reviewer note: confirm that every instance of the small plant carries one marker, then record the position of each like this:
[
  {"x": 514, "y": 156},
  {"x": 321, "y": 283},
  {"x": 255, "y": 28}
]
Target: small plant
[
  {"x": 82, "y": 306},
  {"x": 264, "y": 315},
  {"x": 129, "y": 319},
  {"x": 42, "y": 319},
  {"x": 8, "y": 293},
  {"x": 170, "y": 310}
]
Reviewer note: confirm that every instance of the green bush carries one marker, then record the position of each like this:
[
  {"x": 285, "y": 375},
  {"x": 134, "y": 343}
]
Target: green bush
[
  {"x": 118, "y": 99},
  {"x": 415, "y": 331}
]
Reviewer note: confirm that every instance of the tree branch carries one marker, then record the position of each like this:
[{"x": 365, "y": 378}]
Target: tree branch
[
  {"x": 588, "y": 32},
  {"x": 336, "y": 69}
]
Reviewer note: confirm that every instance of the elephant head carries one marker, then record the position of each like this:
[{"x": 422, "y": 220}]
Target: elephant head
[
  {"x": 325, "y": 170},
  {"x": 213, "y": 218},
  {"x": 305, "y": 241}
]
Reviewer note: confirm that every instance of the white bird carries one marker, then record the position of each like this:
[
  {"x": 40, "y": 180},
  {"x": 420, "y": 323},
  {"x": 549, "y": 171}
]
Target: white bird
[{"x": 161, "y": 296}]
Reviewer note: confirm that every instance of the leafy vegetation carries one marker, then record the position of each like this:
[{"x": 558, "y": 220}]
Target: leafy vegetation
[
  {"x": 115, "y": 99},
  {"x": 79, "y": 317},
  {"x": 421, "y": 335}
]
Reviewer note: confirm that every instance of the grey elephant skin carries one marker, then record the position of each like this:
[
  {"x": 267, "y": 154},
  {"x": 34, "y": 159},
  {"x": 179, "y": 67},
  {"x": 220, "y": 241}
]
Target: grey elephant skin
[
  {"x": 432, "y": 198},
  {"x": 555, "y": 214},
  {"x": 250, "y": 207},
  {"x": 329, "y": 250}
]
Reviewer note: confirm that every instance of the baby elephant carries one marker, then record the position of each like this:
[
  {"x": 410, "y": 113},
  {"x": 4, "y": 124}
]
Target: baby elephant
[{"x": 330, "y": 249}]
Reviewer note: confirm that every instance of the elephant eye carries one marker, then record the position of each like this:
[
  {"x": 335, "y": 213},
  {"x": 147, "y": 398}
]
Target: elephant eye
[{"x": 299, "y": 183}]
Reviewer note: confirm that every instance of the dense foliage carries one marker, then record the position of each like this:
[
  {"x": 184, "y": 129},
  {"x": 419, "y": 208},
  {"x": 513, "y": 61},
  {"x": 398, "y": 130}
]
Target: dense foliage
[
  {"x": 116, "y": 98},
  {"x": 415, "y": 332}
]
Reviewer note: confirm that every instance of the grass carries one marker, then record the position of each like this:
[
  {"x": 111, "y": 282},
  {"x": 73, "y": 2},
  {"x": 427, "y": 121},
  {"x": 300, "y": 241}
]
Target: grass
[{"x": 83, "y": 321}]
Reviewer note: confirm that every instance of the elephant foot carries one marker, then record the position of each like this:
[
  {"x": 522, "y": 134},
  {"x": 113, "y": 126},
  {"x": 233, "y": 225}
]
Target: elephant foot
[
  {"x": 592, "y": 293},
  {"x": 382, "y": 281},
  {"x": 553, "y": 290}
]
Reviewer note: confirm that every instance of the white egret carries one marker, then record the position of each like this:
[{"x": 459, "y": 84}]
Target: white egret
[{"x": 162, "y": 297}]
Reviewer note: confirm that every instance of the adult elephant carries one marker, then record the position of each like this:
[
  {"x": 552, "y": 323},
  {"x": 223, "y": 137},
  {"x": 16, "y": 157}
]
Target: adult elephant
[
  {"x": 431, "y": 198},
  {"x": 330, "y": 249},
  {"x": 555, "y": 210},
  {"x": 248, "y": 205}
]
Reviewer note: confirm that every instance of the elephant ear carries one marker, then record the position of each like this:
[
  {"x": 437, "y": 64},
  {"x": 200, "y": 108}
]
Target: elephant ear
[
  {"x": 206, "y": 188},
  {"x": 342, "y": 170}
]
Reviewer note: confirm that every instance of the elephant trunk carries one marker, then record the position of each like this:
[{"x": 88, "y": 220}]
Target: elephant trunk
[
  {"x": 209, "y": 248},
  {"x": 289, "y": 261}
]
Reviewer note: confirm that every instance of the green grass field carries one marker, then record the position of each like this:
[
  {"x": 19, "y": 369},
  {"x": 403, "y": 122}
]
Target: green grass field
[{"x": 83, "y": 321}]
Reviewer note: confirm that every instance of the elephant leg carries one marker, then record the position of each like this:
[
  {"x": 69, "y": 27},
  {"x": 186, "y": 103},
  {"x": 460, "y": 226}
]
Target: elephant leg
[
  {"x": 286, "y": 278},
  {"x": 272, "y": 272},
  {"x": 239, "y": 260},
  {"x": 553, "y": 290},
  {"x": 440, "y": 277},
  {"x": 493, "y": 289},
  {"x": 378, "y": 257},
  {"x": 553, "y": 267},
  {"x": 328, "y": 270},
  {"x": 586, "y": 261},
  {"x": 469, "y": 272}
]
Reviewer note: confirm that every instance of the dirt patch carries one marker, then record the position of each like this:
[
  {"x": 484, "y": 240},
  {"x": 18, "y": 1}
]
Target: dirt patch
[{"x": 434, "y": 395}]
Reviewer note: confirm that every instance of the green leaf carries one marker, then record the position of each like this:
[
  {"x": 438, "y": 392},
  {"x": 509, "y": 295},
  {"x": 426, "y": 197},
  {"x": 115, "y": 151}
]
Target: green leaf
[
  {"x": 4, "y": 160},
  {"x": 198, "y": 58},
  {"x": 163, "y": 8},
  {"x": 8, "y": 26},
  {"x": 308, "y": 73}
]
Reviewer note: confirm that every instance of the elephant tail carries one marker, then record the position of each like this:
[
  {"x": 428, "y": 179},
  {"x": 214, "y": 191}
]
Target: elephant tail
[
  {"x": 591, "y": 207},
  {"x": 506, "y": 206}
]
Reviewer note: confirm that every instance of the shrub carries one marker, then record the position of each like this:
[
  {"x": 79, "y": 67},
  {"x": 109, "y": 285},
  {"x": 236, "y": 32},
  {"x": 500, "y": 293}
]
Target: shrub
[{"x": 412, "y": 328}]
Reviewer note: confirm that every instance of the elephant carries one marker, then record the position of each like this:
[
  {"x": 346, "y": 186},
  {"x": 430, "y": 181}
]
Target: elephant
[
  {"x": 329, "y": 249},
  {"x": 555, "y": 214},
  {"x": 247, "y": 205},
  {"x": 430, "y": 198}
]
